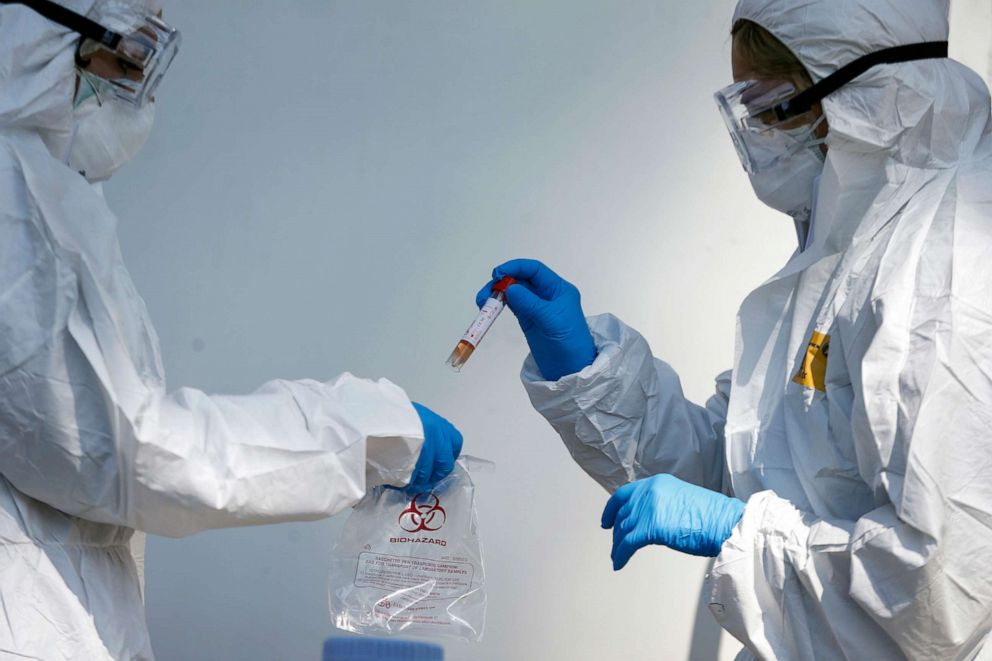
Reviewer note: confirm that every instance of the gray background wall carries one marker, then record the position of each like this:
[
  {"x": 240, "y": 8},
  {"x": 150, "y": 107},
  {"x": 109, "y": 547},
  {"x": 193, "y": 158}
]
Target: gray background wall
[{"x": 328, "y": 185}]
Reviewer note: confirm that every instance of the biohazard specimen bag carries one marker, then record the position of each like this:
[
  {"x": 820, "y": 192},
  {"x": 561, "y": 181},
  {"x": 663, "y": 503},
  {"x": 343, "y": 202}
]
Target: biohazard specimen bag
[{"x": 412, "y": 564}]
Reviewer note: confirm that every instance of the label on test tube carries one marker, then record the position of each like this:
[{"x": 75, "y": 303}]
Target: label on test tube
[{"x": 482, "y": 323}]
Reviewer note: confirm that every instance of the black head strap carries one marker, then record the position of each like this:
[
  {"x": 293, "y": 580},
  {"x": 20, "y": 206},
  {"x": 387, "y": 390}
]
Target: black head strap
[{"x": 803, "y": 102}]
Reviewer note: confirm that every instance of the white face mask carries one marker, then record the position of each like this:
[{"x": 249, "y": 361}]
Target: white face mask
[
  {"x": 788, "y": 184},
  {"x": 107, "y": 136}
]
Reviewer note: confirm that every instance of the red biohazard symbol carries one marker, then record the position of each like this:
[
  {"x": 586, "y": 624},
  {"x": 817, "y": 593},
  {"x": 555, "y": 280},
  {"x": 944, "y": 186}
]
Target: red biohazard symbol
[{"x": 419, "y": 517}]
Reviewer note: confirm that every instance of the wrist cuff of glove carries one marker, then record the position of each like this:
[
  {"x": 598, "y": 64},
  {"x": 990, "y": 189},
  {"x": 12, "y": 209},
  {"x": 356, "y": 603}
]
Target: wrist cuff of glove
[
  {"x": 733, "y": 512},
  {"x": 556, "y": 368}
]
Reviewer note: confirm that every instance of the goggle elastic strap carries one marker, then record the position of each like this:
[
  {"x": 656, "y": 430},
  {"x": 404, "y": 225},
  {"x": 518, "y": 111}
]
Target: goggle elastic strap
[
  {"x": 803, "y": 102},
  {"x": 808, "y": 140},
  {"x": 86, "y": 27},
  {"x": 812, "y": 140}
]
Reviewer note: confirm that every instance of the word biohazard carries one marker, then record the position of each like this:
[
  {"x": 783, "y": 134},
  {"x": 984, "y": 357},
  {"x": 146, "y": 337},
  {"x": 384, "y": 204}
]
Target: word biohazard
[{"x": 417, "y": 540}]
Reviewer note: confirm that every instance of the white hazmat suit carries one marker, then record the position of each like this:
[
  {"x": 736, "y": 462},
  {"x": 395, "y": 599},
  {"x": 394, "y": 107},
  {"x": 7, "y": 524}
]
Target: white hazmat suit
[
  {"x": 857, "y": 421},
  {"x": 91, "y": 445}
]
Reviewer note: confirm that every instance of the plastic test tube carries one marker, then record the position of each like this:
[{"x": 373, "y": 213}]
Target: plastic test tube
[{"x": 483, "y": 322}]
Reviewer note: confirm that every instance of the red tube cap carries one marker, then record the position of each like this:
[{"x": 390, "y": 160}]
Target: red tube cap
[{"x": 503, "y": 284}]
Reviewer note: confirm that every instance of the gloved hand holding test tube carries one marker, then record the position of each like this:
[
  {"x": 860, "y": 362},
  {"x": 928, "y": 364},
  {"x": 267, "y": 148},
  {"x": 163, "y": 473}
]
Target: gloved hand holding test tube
[{"x": 483, "y": 322}]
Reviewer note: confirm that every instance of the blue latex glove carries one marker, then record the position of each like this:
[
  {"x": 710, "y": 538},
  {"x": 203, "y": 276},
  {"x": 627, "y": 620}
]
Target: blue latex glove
[
  {"x": 442, "y": 445},
  {"x": 550, "y": 314},
  {"x": 665, "y": 510}
]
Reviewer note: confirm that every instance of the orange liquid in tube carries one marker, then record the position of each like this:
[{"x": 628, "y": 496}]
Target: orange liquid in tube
[{"x": 480, "y": 326}]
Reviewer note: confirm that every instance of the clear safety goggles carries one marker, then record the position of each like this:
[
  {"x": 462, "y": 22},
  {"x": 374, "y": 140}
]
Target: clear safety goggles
[
  {"x": 757, "y": 112},
  {"x": 125, "y": 52},
  {"x": 748, "y": 109}
]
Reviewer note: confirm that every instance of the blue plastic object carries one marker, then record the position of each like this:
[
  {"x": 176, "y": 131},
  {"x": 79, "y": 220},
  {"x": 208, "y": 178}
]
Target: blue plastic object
[
  {"x": 665, "y": 510},
  {"x": 380, "y": 649},
  {"x": 442, "y": 445},
  {"x": 549, "y": 310}
]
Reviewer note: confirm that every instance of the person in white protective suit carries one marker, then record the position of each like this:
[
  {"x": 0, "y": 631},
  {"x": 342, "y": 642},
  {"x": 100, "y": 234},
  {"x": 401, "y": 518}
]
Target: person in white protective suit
[
  {"x": 92, "y": 448},
  {"x": 842, "y": 474}
]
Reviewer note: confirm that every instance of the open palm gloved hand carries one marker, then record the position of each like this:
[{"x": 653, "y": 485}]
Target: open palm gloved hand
[{"x": 665, "y": 510}]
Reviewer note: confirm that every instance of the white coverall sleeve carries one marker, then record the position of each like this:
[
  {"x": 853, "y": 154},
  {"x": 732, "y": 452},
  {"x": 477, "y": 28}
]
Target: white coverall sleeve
[
  {"x": 87, "y": 428},
  {"x": 293, "y": 450},
  {"x": 917, "y": 566},
  {"x": 624, "y": 417}
]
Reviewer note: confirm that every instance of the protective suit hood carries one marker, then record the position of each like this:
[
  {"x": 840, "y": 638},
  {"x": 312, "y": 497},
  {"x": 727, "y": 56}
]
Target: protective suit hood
[
  {"x": 929, "y": 113},
  {"x": 37, "y": 73}
]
